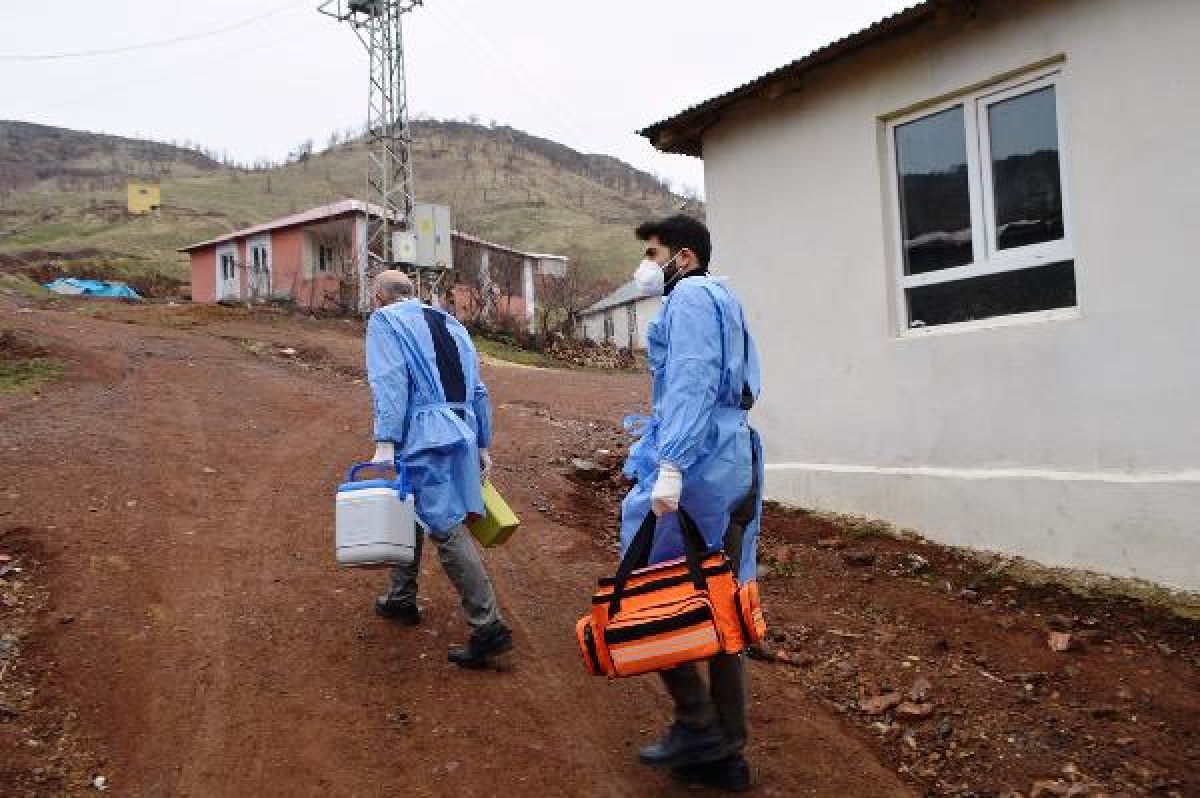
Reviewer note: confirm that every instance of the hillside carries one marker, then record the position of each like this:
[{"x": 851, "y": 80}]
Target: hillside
[
  {"x": 62, "y": 195},
  {"x": 77, "y": 161}
]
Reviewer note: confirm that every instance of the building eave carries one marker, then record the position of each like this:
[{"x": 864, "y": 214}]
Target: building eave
[{"x": 683, "y": 133}]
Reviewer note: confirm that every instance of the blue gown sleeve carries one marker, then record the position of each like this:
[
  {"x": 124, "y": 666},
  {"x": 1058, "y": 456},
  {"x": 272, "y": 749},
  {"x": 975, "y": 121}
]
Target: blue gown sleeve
[
  {"x": 483, "y": 414},
  {"x": 387, "y": 373},
  {"x": 692, "y": 376}
]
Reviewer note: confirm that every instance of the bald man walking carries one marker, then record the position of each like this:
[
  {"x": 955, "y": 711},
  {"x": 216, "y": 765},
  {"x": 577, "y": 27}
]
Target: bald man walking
[{"x": 433, "y": 417}]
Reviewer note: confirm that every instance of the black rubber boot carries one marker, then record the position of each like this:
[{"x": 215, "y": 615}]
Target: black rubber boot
[
  {"x": 731, "y": 774},
  {"x": 397, "y": 611},
  {"x": 486, "y": 643},
  {"x": 684, "y": 745}
]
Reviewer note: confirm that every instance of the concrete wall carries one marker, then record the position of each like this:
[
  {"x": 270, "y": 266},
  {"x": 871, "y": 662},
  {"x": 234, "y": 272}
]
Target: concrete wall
[
  {"x": 287, "y": 267},
  {"x": 464, "y": 305},
  {"x": 623, "y": 334},
  {"x": 294, "y": 271},
  {"x": 593, "y": 327},
  {"x": 647, "y": 310},
  {"x": 314, "y": 289},
  {"x": 529, "y": 295},
  {"x": 1071, "y": 441},
  {"x": 204, "y": 275}
]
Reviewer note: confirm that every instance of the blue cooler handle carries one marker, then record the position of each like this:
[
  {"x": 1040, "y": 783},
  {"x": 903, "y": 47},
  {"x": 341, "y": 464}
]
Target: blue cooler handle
[{"x": 401, "y": 473}]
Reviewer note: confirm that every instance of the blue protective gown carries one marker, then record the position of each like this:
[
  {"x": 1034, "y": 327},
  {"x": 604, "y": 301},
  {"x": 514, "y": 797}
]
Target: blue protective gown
[
  {"x": 701, "y": 359},
  {"x": 436, "y": 440}
]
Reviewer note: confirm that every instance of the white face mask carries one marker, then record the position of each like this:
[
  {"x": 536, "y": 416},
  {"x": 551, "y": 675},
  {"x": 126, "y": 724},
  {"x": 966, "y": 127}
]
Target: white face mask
[{"x": 651, "y": 278}]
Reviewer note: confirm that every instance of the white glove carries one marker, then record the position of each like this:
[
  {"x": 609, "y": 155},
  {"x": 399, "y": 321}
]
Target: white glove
[
  {"x": 485, "y": 465},
  {"x": 667, "y": 490},
  {"x": 385, "y": 453}
]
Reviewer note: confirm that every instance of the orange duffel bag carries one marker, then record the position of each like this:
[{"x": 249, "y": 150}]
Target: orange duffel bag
[{"x": 654, "y": 618}]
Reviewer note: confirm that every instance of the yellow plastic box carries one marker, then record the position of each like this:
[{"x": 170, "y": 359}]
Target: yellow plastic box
[{"x": 498, "y": 522}]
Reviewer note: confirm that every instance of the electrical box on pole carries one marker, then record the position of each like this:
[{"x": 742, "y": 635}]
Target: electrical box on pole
[{"x": 435, "y": 250}]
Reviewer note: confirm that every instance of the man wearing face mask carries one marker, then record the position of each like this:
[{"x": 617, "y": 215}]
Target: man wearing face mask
[
  {"x": 697, "y": 451},
  {"x": 432, "y": 416}
]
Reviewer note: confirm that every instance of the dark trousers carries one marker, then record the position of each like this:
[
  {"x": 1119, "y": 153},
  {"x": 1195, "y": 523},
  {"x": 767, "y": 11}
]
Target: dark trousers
[{"x": 723, "y": 700}]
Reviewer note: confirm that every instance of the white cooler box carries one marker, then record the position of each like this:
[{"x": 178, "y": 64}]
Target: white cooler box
[{"x": 375, "y": 520}]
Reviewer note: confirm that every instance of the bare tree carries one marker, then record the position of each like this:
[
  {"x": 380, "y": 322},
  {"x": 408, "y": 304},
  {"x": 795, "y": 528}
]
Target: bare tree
[
  {"x": 342, "y": 268},
  {"x": 303, "y": 151},
  {"x": 561, "y": 300}
]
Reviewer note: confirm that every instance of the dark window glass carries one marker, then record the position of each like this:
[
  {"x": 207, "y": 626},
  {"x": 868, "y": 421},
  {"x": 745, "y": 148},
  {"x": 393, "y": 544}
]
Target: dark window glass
[
  {"x": 1027, "y": 187},
  {"x": 935, "y": 202},
  {"x": 1021, "y": 291}
]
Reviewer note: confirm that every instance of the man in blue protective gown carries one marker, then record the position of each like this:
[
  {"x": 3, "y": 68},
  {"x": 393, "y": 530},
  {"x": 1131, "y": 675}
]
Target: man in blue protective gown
[
  {"x": 433, "y": 418},
  {"x": 697, "y": 451}
]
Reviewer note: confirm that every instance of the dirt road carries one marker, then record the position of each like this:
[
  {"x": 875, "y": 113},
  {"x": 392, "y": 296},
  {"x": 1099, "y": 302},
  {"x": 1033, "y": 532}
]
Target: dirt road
[{"x": 172, "y": 497}]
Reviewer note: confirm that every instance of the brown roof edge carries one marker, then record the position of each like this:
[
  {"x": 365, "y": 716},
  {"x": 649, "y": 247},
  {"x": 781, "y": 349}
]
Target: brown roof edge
[
  {"x": 319, "y": 214},
  {"x": 267, "y": 227},
  {"x": 684, "y": 132}
]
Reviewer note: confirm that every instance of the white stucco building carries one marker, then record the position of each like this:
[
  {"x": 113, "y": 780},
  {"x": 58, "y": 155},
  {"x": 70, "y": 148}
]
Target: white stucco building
[
  {"x": 963, "y": 237},
  {"x": 621, "y": 318}
]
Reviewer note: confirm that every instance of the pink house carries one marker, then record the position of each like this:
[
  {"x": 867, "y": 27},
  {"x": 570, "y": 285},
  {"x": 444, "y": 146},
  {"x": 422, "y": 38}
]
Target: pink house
[
  {"x": 312, "y": 258},
  {"x": 317, "y": 258}
]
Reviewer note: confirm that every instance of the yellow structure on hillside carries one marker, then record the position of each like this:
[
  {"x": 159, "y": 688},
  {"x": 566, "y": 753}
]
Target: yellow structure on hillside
[{"x": 143, "y": 196}]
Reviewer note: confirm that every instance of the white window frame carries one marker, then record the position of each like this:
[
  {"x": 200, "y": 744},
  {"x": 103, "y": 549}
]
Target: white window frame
[
  {"x": 227, "y": 255},
  {"x": 986, "y": 258}
]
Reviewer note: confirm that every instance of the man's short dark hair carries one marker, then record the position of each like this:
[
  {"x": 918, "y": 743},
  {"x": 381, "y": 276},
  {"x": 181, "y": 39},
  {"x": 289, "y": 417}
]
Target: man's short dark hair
[{"x": 679, "y": 232}]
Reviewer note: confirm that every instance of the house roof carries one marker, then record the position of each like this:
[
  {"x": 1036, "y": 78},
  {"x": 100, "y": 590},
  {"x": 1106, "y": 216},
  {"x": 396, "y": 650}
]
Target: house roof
[
  {"x": 318, "y": 214},
  {"x": 470, "y": 239},
  {"x": 344, "y": 208},
  {"x": 684, "y": 132},
  {"x": 630, "y": 292}
]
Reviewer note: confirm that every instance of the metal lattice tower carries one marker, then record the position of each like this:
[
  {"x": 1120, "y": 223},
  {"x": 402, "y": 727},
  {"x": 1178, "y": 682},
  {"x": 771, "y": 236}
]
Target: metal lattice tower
[{"x": 377, "y": 23}]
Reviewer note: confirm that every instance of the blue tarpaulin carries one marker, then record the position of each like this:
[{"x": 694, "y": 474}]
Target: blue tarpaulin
[{"x": 78, "y": 287}]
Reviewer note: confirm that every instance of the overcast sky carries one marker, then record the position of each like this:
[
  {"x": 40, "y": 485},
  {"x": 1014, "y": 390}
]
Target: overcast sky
[{"x": 587, "y": 74}]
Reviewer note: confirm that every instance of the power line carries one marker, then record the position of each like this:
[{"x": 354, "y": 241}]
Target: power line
[
  {"x": 155, "y": 44},
  {"x": 108, "y": 87},
  {"x": 548, "y": 108}
]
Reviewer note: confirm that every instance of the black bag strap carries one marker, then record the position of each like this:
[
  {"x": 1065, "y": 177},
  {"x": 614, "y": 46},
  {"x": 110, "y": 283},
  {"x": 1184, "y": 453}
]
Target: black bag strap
[
  {"x": 747, "y": 397},
  {"x": 638, "y": 555}
]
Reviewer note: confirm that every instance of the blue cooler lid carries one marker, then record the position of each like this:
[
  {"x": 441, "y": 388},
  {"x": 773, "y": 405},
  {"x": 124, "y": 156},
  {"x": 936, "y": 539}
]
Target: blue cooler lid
[
  {"x": 400, "y": 484},
  {"x": 365, "y": 484}
]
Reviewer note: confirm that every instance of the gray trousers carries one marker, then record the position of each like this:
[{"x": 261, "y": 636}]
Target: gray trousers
[
  {"x": 463, "y": 566},
  {"x": 723, "y": 700}
]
